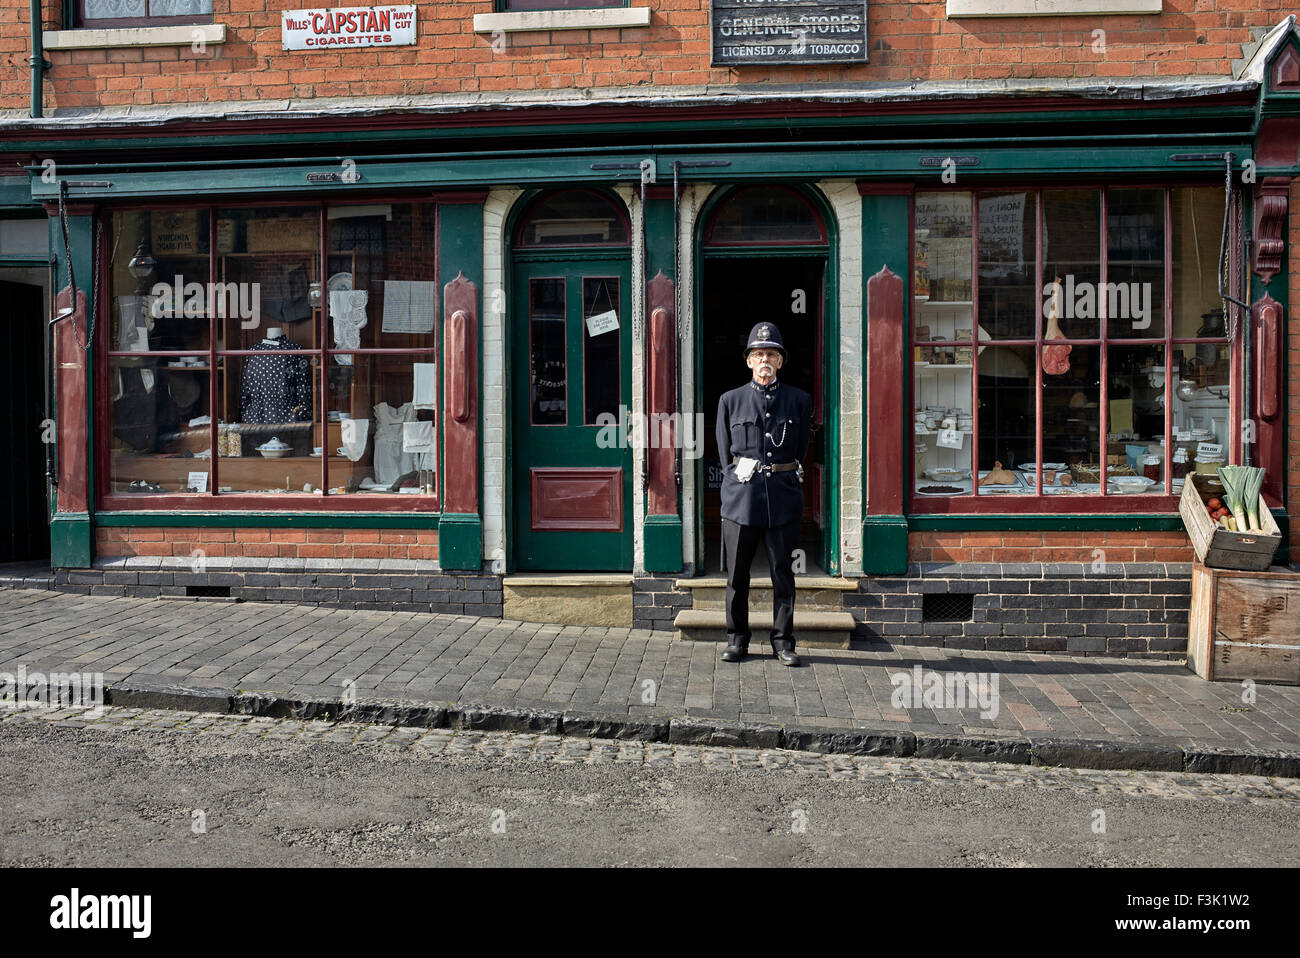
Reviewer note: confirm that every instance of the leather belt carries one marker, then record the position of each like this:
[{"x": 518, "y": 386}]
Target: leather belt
[{"x": 770, "y": 467}]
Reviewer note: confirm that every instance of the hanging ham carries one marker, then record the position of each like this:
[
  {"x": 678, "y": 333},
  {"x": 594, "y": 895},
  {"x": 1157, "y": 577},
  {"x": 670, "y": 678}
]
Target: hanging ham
[{"x": 1056, "y": 359}]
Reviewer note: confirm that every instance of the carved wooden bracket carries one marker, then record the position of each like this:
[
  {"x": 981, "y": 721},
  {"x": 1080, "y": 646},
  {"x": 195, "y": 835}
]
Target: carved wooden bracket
[{"x": 1270, "y": 225}]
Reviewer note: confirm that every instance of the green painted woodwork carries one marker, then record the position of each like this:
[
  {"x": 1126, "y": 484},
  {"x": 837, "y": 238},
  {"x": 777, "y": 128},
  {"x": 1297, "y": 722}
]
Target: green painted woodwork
[
  {"x": 886, "y": 242},
  {"x": 1043, "y": 522},
  {"x": 271, "y": 520},
  {"x": 663, "y": 544},
  {"x": 571, "y": 444},
  {"x": 71, "y": 540},
  {"x": 460, "y": 251},
  {"x": 895, "y": 162},
  {"x": 884, "y": 545},
  {"x": 460, "y": 542}
]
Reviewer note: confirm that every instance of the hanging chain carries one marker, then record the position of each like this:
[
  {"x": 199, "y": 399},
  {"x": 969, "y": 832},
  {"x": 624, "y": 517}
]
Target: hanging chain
[
  {"x": 72, "y": 279},
  {"x": 778, "y": 444},
  {"x": 1229, "y": 255},
  {"x": 93, "y": 305}
]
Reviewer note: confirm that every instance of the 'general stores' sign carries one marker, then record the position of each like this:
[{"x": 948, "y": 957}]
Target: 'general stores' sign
[
  {"x": 748, "y": 32},
  {"x": 347, "y": 27}
]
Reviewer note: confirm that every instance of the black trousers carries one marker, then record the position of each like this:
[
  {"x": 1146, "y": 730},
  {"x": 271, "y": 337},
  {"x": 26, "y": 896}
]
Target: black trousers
[{"x": 740, "y": 544}]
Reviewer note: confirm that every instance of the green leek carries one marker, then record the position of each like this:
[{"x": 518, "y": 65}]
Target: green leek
[
  {"x": 1241, "y": 490},
  {"x": 1233, "y": 482}
]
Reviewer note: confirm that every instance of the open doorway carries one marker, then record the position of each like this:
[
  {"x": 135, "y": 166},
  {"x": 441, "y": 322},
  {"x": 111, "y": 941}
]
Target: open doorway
[
  {"x": 24, "y": 511},
  {"x": 738, "y": 291}
]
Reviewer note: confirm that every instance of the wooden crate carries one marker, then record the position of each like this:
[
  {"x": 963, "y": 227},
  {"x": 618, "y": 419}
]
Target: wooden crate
[
  {"x": 1216, "y": 546},
  {"x": 1243, "y": 625}
]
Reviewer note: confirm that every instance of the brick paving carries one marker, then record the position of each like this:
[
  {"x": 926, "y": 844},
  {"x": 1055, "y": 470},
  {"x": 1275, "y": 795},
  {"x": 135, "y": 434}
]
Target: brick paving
[
  {"x": 556, "y": 750},
  {"x": 326, "y": 653}
]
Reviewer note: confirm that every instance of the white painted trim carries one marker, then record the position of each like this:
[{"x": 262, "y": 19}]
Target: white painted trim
[
  {"x": 1049, "y": 8},
  {"x": 173, "y": 36},
  {"x": 843, "y": 197},
  {"x": 693, "y": 199},
  {"x": 496, "y": 210},
  {"x": 631, "y": 198},
  {"x": 517, "y": 22}
]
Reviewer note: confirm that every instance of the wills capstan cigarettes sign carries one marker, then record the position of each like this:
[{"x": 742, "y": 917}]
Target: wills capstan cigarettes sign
[{"x": 345, "y": 27}]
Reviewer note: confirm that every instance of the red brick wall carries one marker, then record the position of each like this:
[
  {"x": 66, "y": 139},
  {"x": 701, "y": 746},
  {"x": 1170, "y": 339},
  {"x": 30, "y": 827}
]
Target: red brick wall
[
  {"x": 1293, "y": 372},
  {"x": 268, "y": 543},
  {"x": 910, "y": 40},
  {"x": 1049, "y": 547}
]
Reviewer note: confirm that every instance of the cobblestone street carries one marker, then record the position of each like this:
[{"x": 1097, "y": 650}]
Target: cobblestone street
[{"x": 127, "y": 787}]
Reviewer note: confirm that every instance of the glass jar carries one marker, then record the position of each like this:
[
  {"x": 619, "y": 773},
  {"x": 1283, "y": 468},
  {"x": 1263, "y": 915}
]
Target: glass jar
[
  {"x": 1208, "y": 466},
  {"x": 1151, "y": 468}
]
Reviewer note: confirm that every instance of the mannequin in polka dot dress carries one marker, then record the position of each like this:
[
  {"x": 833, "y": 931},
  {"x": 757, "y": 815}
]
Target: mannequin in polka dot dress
[{"x": 276, "y": 388}]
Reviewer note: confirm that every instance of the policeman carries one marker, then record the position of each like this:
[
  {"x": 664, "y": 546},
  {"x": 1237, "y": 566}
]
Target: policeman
[{"x": 763, "y": 430}]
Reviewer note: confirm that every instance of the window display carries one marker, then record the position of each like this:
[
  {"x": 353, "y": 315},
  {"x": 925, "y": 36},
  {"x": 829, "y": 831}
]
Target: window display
[
  {"x": 1046, "y": 313},
  {"x": 316, "y": 388}
]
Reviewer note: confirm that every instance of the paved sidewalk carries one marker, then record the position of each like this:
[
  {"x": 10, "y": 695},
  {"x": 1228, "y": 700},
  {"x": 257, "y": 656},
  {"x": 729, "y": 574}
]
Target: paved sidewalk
[{"x": 1049, "y": 704}]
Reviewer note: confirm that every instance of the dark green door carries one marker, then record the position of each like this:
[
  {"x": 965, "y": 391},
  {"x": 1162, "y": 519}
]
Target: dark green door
[
  {"x": 24, "y": 513},
  {"x": 571, "y": 362}
]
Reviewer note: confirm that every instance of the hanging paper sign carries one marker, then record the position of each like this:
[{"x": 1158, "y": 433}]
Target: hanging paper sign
[
  {"x": 347, "y": 27},
  {"x": 602, "y": 323}
]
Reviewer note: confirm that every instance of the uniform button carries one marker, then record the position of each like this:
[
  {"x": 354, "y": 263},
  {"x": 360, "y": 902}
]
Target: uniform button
[
  {"x": 768, "y": 415},
  {"x": 769, "y": 455}
]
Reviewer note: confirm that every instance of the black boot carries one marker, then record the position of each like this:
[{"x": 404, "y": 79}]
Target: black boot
[
  {"x": 736, "y": 651},
  {"x": 785, "y": 655}
]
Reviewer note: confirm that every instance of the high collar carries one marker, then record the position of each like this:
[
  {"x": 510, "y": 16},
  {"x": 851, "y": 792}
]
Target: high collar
[{"x": 765, "y": 390}]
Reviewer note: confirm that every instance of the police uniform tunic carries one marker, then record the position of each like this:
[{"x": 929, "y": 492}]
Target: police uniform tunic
[{"x": 771, "y": 424}]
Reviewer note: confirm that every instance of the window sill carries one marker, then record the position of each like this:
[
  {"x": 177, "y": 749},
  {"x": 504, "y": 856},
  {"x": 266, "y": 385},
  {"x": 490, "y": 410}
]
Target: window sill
[
  {"x": 533, "y": 20},
  {"x": 174, "y": 36},
  {"x": 1049, "y": 8}
]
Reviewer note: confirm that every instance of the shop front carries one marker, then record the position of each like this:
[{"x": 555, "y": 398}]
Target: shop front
[{"x": 1023, "y": 321}]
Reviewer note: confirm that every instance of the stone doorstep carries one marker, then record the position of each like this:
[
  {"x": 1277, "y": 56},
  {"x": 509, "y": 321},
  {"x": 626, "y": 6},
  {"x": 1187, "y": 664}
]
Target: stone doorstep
[
  {"x": 568, "y": 599},
  {"x": 812, "y": 582},
  {"x": 805, "y": 600},
  {"x": 567, "y": 580},
  {"x": 814, "y": 630}
]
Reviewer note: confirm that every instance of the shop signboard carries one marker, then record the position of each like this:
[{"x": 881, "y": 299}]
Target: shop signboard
[
  {"x": 347, "y": 28},
  {"x": 752, "y": 32}
]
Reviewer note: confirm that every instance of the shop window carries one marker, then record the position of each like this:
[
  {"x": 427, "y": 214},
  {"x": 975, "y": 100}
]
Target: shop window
[
  {"x": 245, "y": 360},
  {"x": 1066, "y": 343},
  {"x": 143, "y": 13},
  {"x": 548, "y": 354},
  {"x": 601, "y": 348}
]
